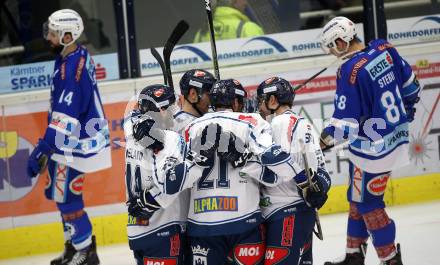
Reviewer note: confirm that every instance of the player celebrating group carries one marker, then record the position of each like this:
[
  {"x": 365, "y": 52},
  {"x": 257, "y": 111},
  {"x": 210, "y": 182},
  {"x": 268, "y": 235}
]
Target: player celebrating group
[{"x": 377, "y": 89}]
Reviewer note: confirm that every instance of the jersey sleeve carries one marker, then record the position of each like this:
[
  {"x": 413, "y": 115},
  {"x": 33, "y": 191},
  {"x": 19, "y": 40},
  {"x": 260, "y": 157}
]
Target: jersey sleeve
[
  {"x": 75, "y": 92},
  {"x": 167, "y": 174},
  {"x": 347, "y": 108}
]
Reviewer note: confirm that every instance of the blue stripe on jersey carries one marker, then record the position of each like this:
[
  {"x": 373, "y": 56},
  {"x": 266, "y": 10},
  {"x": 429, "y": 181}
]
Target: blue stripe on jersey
[
  {"x": 378, "y": 149},
  {"x": 155, "y": 170}
]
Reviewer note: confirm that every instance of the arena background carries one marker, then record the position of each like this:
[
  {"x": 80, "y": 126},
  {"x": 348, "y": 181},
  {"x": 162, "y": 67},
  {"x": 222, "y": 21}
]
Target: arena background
[{"x": 29, "y": 224}]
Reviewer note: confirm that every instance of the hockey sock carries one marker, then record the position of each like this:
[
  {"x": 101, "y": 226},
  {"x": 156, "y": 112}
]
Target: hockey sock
[
  {"x": 67, "y": 236},
  {"x": 77, "y": 222},
  {"x": 356, "y": 230},
  {"x": 383, "y": 233}
]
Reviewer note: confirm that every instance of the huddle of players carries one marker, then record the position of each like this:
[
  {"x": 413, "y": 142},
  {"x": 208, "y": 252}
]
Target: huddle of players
[{"x": 221, "y": 187}]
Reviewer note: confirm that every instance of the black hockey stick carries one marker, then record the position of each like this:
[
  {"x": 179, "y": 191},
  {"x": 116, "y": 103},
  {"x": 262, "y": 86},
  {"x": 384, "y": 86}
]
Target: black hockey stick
[
  {"x": 158, "y": 58},
  {"x": 346, "y": 56},
  {"x": 312, "y": 186},
  {"x": 174, "y": 38},
  {"x": 212, "y": 33},
  {"x": 165, "y": 63}
]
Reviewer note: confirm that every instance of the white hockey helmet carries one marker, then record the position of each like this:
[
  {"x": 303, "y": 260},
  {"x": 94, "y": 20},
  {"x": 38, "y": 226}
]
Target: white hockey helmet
[
  {"x": 337, "y": 28},
  {"x": 64, "y": 21}
]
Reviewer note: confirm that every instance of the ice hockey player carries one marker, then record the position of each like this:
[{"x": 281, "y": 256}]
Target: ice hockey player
[
  {"x": 194, "y": 88},
  {"x": 289, "y": 208},
  {"x": 155, "y": 223},
  {"x": 374, "y": 104},
  {"x": 76, "y": 140},
  {"x": 224, "y": 215}
]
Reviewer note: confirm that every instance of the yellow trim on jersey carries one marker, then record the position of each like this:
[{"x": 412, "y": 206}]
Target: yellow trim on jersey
[{"x": 37, "y": 239}]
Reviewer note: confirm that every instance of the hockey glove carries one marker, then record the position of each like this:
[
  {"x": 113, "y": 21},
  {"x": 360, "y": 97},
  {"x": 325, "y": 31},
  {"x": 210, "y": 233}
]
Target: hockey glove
[
  {"x": 237, "y": 152},
  {"x": 314, "y": 193},
  {"x": 143, "y": 206},
  {"x": 204, "y": 146},
  {"x": 410, "y": 109},
  {"x": 146, "y": 135},
  {"x": 38, "y": 159}
]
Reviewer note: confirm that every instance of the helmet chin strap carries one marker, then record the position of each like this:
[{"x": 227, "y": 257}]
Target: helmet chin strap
[{"x": 194, "y": 105}]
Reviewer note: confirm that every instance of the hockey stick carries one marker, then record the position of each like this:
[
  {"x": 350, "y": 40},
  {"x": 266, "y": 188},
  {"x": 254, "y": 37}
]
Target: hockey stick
[
  {"x": 313, "y": 187},
  {"x": 174, "y": 38},
  {"x": 212, "y": 33},
  {"x": 345, "y": 57},
  {"x": 158, "y": 58},
  {"x": 165, "y": 63}
]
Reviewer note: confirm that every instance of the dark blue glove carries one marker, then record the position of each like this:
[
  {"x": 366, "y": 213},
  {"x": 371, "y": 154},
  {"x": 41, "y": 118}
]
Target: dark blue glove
[
  {"x": 410, "y": 109},
  {"x": 237, "y": 152},
  {"x": 142, "y": 206},
  {"x": 315, "y": 195},
  {"x": 203, "y": 147},
  {"x": 38, "y": 159}
]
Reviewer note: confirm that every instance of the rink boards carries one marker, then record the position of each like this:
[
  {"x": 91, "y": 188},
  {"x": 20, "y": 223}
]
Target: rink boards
[{"x": 29, "y": 223}]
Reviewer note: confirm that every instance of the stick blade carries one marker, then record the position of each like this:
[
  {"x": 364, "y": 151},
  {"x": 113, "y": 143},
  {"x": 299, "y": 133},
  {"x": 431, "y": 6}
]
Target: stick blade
[{"x": 178, "y": 32}]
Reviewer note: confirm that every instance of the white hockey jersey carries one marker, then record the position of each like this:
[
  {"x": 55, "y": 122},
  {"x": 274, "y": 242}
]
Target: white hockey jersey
[
  {"x": 224, "y": 201},
  {"x": 181, "y": 120},
  {"x": 287, "y": 130},
  {"x": 146, "y": 169}
]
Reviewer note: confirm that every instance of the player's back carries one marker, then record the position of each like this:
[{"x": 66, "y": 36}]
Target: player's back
[
  {"x": 369, "y": 92},
  {"x": 222, "y": 202},
  {"x": 287, "y": 130},
  {"x": 144, "y": 170}
]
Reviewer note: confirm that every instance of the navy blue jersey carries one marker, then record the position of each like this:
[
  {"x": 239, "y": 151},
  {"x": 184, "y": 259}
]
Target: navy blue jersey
[
  {"x": 372, "y": 88},
  {"x": 77, "y": 129}
]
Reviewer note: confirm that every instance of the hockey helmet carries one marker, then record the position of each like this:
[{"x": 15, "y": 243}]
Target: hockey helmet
[
  {"x": 337, "y": 28},
  {"x": 224, "y": 92},
  {"x": 64, "y": 21},
  {"x": 155, "y": 98},
  {"x": 277, "y": 86},
  {"x": 199, "y": 79}
]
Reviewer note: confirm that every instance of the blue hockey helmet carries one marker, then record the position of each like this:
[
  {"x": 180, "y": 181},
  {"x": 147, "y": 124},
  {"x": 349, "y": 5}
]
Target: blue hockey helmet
[
  {"x": 198, "y": 79},
  {"x": 277, "y": 86},
  {"x": 155, "y": 98},
  {"x": 225, "y": 91}
]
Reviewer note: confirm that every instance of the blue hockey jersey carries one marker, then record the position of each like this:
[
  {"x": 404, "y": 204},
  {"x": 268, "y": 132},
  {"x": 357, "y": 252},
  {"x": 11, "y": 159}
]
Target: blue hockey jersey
[
  {"x": 373, "y": 88},
  {"x": 77, "y": 129}
]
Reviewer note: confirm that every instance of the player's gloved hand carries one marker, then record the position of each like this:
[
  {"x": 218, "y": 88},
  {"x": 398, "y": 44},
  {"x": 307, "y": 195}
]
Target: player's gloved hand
[
  {"x": 236, "y": 153},
  {"x": 203, "y": 146},
  {"x": 410, "y": 109},
  {"x": 143, "y": 206},
  {"x": 38, "y": 159},
  {"x": 146, "y": 135},
  {"x": 314, "y": 194}
]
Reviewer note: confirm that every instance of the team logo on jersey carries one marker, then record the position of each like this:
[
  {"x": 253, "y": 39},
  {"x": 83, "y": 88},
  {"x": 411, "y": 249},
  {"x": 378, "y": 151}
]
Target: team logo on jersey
[
  {"x": 160, "y": 261},
  {"x": 216, "y": 204},
  {"x": 248, "y": 119},
  {"x": 236, "y": 82},
  {"x": 200, "y": 255},
  {"x": 158, "y": 92},
  {"x": 76, "y": 185},
  {"x": 356, "y": 69},
  {"x": 377, "y": 185},
  {"x": 249, "y": 253},
  {"x": 379, "y": 65},
  {"x": 274, "y": 255}
]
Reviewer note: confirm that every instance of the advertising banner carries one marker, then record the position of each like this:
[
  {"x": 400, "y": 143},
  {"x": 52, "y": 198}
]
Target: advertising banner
[{"x": 25, "y": 77}]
